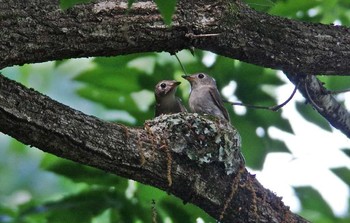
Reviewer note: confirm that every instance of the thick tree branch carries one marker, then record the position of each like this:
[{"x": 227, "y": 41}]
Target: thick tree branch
[
  {"x": 37, "y": 31},
  {"x": 147, "y": 155},
  {"x": 318, "y": 97}
]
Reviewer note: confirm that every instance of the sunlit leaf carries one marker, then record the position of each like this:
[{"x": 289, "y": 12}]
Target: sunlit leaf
[
  {"x": 343, "y": 173},
  {"x": 59, "y": 62},
  {"x": 123, "y": 80},
  {"x": 291, "y": 7},
  {"x": 260, "y": 5},
  {"x": 64, "y": 4},
  {"x": 130, "y": 3},
  {"x": 314, "y": 206},
  {"x": 169, "y": 206},
  {"x": 180, "y": 212},
  {"x": 81, "y": 173},
  {"x": 80, "y": 207},
  {"x": 109, "y": 98},
  {"x": 312, "y": 116},
  {"x": 336, "y": 83},
  {"x": 7, "y": 214},
  {"x": 167, "y": 9},
  {"x": 346, "y": 151}
]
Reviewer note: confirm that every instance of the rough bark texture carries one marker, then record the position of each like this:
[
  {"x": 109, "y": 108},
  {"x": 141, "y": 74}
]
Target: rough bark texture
[
  {"x": 143, "y": 154},
  {"x": 323, "y": 101},
  {"x": 36, "y": 31}
]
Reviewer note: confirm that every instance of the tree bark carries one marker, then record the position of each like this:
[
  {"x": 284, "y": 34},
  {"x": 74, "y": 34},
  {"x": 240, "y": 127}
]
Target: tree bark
[
  {"x": 38, "y": 31},
  {"x": 147, "y": 154}
]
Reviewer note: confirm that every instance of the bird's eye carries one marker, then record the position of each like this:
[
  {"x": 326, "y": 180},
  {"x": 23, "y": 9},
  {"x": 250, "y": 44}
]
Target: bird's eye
[
  {"x": 163, "y": 85},
  {"x": 201, "y": 76}
]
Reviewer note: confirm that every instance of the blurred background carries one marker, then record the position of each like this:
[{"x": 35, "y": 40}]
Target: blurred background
[{"x": 294, "y": 152}]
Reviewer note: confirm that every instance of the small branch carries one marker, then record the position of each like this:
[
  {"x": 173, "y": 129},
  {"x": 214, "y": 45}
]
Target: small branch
[
  {"x": 182, "y": 67},
  {"x": 320, "y": 98},
  {"x": 271, "y": 108},
  {"x": 194, "y": 36}
]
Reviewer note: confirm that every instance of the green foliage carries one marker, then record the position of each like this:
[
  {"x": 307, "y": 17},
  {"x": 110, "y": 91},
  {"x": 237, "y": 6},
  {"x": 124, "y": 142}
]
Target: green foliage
[
  {"x": 314, "y": 206},
  {"x": 167, "y": 9},
  {"x": 343, "y": 173},
  {"x": 335, "y": 83},
  {"x": 311, "y": 11},
  {"x": 64, "y": 4},
  {"x": 80, "y": 173},
  {"x": 69, "y": 192},
  {"x": 130, "y": 3},
  {"x": 310, "y": 115}
]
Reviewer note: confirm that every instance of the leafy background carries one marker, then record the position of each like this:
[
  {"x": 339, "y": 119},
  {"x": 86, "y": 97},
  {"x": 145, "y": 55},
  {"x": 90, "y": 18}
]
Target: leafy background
[{"x": 38, "y": 187}]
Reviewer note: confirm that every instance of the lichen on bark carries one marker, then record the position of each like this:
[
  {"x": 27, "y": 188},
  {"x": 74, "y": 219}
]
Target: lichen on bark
[{"x": 204, "y": 139}]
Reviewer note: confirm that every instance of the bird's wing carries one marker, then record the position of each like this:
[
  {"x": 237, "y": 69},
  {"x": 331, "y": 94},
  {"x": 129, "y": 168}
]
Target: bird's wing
[
  {"x": 218, "y": 101},
  {"x": 182, "y": 107},
  {"x": 157, "y": 111}
]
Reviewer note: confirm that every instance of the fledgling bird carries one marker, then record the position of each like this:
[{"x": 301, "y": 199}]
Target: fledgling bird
[
  {"x": 205, "y": 97},
  {"x": 166, "y": 101}
]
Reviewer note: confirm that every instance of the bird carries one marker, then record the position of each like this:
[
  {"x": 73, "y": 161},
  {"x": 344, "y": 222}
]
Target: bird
[
  {"x": 166, "y": 101},
  {"x": 205, "y": 97}
]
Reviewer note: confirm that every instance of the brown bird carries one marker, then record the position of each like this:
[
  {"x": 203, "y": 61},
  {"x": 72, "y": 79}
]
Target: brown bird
[
  {"x": 205, "y": 97},
  {"x": 166, "y": 102}
]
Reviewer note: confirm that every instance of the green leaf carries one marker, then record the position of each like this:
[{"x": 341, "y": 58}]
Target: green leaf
[
  {"x": 312, "y": 116},
  {"x": 59, "y": 62},
  {"x": 315, "y": 208},
  {"x": 180, "y": 212},
  {"x": 346, "y": 151},
  {"x": 260, "y": 5},
  {"x": 64, "y": 4},
  {"x": 80, "y": 173},
  {"x": 80, "y": 208},
  {"x": 343, "y": 173},
  {"x": 169, "y": 206},
  {"x": 130, "y": 3},
  {"x": 290, "y": 8},
  {"x": 122, "y": 79},
  {"x": 167, "y": 9},
  {"x": 109, "y": 98},
  {"x": 336, "y": 83},
  {"x": 255, "y": 148},
  {"x": 147, "y": 193},
  {"x": 6, "y": 214}
]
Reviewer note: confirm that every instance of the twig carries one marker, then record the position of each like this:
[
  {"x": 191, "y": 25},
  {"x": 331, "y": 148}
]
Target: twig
[
  {"x": 272, "y": 108},
  {"x": 310, "y": 99},
  {"x": 194, "y": 36},
  {"x": 182, "y": 67},
  {"x": 154, "y": 211}
]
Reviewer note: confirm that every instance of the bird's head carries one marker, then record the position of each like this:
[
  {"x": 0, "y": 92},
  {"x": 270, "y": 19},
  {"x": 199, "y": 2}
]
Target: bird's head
[
  {"x": 200, "y": 79},
  {"x": 165, "y": 88}
]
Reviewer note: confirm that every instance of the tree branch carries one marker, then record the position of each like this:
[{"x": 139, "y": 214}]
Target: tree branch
[
  {"x": 145, "y": 154},
  {"x": 318, "y": 96},
  {"x": 38, "y": 31}
]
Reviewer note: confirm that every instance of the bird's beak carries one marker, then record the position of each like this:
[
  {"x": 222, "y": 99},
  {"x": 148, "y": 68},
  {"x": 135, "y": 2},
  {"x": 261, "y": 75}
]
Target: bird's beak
[
  {"x": 177, "y": 83},
  {"x": 189, "y": 78},
  {"x": 173, "y": 86}
]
